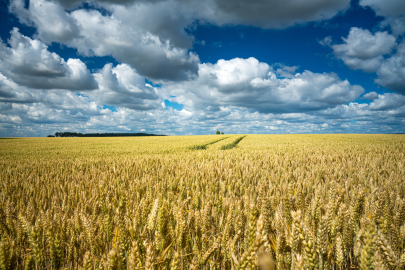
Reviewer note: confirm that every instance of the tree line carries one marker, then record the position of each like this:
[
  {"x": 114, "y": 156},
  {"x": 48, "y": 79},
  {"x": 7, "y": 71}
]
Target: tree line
[{"x": 77, "y": 134}]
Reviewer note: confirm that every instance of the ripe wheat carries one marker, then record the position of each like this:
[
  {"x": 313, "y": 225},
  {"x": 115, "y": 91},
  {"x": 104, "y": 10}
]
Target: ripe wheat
[{"x": 273, "y": 202}]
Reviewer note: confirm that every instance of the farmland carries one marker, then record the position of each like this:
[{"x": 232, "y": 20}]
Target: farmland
[{"x": 197, "y": 202}]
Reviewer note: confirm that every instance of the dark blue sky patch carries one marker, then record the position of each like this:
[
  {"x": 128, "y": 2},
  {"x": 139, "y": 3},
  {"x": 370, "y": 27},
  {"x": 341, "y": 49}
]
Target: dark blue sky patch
[
  {"x": 174, "y": 105},
  {"x": 111, "y": 108},
  {"x": 152, "y": 84},
  {"x": 9, "y": 21},
  {"x": 93, "y": 63},
  {"x": 92, "y": 6},
  {"x": 81, "y": 95}
]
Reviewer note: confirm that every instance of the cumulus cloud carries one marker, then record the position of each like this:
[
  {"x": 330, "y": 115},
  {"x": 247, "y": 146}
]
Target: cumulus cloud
[
  {"x": 30, "y": 74},
  {"x": 50, "y": 19},
  {"x": 397, "y": 24},
  {"x": 150, "y": 35},
  {"x": 236, "y": 96},
  {"x": 387, "y": 101},
  {"x": 157, "y": 48},
  {"x": 391, "y": 73},
  {"x": 252, "y": 85},
  {"x": 372, "y": 53},
  {"x": 392, "y": 10},
  {"x": 28, "y": 62},
  {"x": 271, "y": 14},
  {"x": 262, "y": 13},
  {"x": 12, "y": 92},
  {"x": 370, "y": 96},
  {"x": 385, "y": 8},
  {"x": 151, "y": 39},
  {"x": 40, "y": 119},
  {"x": 364, "y": 50},
  {"x": 6, "y": 91},
  {"x": 122, "y": 86},
  {"x": 129, "y": 43}
]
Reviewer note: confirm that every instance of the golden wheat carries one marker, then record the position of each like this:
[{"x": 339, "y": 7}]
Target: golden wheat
[{"x": 285, "y": 201}]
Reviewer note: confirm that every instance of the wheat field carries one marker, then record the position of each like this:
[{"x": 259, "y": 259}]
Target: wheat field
[{"x": 203, "y": 202}]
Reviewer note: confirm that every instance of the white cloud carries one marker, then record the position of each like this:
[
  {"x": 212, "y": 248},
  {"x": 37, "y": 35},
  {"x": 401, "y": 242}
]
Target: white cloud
[
  {"x": 150, "y": 35},
  {"x": 129, "y": 43},
  {"x": 270, "y": 14},
  {"x": 372, "y": 53},
  {"x": 12, "y": 92},
  {"x": 364, "y": 50},
  {"x": 250, "y": 84},
  {"x": 262, "y": 13},
  {"x": 40, "y": 119},
  {"x": 50, "y": 19},
  {"x": 236, "y": 96},
  {"x": 150, "y": 39},
  {"x": 122, "y": 86},
  {"x": 387, "y": 101},
  {"x": 28, "y": 62},
  {"x": 233, "y": 72},
  {"x": 391, "y": 73},
  {"x": 397, "y": 24},
  {"x": 157, "y": 48},
  {"x": 362, "y": 44},
  {"x": 10, "y": 119},
  {"x": 370, "y": 96},
  {"x": 392, "y": 10},
  {"x": 386, "y": 8}
]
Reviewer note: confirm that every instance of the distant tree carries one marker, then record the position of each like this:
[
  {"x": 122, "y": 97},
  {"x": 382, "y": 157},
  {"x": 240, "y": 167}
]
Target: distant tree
[
  {"x": 218, "y": 132},
  {"x": 222, "y": 133},
  {"x": 51, "y": 136}
]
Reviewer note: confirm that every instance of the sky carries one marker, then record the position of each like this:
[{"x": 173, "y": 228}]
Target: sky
[{"x": 192, "y": 67}]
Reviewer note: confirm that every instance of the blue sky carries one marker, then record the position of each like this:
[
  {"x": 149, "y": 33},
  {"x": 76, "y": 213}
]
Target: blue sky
[{"x": 176, "y": 67}]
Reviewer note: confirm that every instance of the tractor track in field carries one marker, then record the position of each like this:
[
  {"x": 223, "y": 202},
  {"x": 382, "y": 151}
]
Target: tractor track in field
[
  {"x": 233, "y": 144},
  {"x": 204, "y": 146}
]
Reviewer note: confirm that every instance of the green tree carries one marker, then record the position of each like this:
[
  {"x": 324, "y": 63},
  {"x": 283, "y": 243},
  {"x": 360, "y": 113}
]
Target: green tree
[
  {"x": 218, "y": 132},
  {"x": 222, "y": 133}
]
